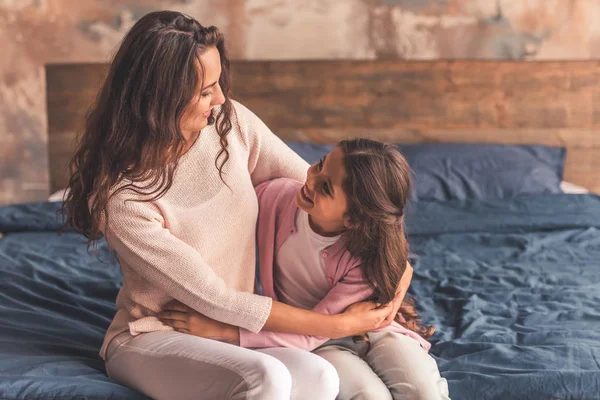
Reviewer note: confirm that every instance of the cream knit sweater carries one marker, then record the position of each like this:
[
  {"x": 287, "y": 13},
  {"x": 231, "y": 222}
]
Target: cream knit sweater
[{"x": 196, "y": 244}]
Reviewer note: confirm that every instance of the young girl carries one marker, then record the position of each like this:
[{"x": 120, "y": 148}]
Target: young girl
[{"x": 334, "y": 241}]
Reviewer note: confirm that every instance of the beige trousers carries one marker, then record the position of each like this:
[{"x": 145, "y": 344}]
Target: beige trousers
[{"x": 395, "y": 367}]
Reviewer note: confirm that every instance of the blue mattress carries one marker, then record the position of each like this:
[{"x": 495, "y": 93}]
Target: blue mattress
[{"x": 513, "y": 287}]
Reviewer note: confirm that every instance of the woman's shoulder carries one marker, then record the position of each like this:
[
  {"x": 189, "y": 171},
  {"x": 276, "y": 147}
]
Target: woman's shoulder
[
  {"x": 244, "y": 117},
  {"x": 241, "y": 111},
  {"x": 242, "y": 123}
]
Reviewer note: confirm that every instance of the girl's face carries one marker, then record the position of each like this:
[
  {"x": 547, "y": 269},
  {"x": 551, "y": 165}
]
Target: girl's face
[
  {"x": 323, "y": 197},
  {"x": 195, "y": 117}
]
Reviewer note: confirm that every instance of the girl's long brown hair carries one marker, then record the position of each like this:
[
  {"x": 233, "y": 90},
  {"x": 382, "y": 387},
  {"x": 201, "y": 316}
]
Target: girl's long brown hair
[
  {"x": 378, "y": 185},
  {"x": 132, "y": 137}
]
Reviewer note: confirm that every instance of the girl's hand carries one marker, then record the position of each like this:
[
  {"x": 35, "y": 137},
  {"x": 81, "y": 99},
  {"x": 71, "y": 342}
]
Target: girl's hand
[
  {"x": 364, "y": 317},
  {"x": 186, "y": 320}
]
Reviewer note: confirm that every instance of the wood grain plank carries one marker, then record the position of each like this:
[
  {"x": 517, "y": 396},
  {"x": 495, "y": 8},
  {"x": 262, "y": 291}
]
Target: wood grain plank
[{"x": 552, "y": 103}]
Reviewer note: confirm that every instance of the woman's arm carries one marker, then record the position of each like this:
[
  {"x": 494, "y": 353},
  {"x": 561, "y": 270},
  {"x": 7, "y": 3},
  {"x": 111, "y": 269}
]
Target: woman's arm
[
  {"x": 350, "y": 290},
  {"x": 186, "y": 320},
  {"x": 330, "y": 322},
  {"x": 364, "y": 317},
  {"x": 285, "y": 326},
  {"x": 269, "y": 157},
  {"x": 136, "y": 232},
  {"x": 348, "y": 294}
]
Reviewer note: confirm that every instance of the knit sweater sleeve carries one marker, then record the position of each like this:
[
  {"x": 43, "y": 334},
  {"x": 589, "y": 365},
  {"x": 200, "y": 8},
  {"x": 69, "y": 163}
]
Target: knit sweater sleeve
[
  {"x": 136, "y": 231},
  {"x": 269, "y": 157}
]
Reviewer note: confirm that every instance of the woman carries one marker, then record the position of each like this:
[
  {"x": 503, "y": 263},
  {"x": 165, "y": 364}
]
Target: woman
[{"x": 166, "y": 169}]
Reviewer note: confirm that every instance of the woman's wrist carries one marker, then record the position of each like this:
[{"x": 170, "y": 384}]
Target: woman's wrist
[
  {"x": 231, "y": 334},
  {"x": 339, "y": 326}
]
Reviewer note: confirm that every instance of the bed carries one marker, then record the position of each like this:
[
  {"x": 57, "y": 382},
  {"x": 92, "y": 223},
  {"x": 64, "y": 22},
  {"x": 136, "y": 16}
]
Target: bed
[{"x": 512, "y": 283}]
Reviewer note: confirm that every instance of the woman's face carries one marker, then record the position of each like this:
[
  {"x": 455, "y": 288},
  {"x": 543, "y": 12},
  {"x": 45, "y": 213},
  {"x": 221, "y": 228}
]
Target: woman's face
[{"x": 195, "y": 117}]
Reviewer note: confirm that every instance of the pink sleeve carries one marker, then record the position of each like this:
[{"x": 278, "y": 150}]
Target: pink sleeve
[
  {"x": 349, "y": 290},
  {"x": 260, "y": 189}
]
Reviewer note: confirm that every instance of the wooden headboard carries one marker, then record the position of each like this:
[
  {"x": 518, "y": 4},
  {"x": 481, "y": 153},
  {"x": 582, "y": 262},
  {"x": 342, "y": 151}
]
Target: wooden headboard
[{"x": 551, "y": 103}]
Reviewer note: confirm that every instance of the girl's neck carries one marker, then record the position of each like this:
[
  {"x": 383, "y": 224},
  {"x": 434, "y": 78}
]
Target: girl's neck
[{"x": 326, "y": 228}]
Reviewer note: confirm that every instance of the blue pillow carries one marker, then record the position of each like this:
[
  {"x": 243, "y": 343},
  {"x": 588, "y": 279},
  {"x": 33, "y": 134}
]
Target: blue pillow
[
  {"x": 310, "y": 152},
  {"x": 445, "y": 171}
]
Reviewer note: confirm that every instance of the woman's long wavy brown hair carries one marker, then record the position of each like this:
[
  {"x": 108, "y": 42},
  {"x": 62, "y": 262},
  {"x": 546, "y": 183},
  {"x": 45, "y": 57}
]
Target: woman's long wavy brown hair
[
  {"x": 378, "y": 185},
  {"x": 132, "y": 137}
]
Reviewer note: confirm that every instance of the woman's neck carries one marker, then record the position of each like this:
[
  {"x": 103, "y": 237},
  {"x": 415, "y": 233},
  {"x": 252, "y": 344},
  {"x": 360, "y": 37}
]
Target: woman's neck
[{"x": 193, "y": 136}]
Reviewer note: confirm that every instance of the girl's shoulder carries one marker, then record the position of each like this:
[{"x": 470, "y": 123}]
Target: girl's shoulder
[
  {"x": 280, "y": 191},
  {"x": 280, "y": 184}
]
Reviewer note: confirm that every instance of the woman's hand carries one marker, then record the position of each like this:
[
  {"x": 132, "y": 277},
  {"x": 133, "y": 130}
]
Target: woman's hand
[
  {"x": 186, "y": 320},
  {"x": 364, "y": 317},
  {"x": 368, "y": 316}
]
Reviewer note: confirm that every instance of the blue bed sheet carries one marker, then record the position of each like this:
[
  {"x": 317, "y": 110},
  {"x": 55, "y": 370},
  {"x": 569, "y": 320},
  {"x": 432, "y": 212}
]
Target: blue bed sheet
[
  {"x": 56, "y": 301},
  {"x": 513, "y": 287}
]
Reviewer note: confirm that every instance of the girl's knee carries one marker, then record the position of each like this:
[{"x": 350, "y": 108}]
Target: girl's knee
[
  {"x": 423, "y": 389},
  {"x": 435, "y": 388}
]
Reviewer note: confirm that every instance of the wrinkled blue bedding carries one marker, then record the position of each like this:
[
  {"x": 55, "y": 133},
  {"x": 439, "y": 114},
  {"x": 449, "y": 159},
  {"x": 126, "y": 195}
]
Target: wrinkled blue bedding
[{"x": 513, "y": 287}]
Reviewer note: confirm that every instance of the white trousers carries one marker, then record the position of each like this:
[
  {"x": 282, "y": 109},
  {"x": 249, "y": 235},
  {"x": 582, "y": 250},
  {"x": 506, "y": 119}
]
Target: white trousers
[{"x": 172, "y": 365}]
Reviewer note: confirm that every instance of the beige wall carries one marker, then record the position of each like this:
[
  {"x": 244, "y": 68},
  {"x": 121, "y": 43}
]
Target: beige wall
[{"x": 36, "y": 32}]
